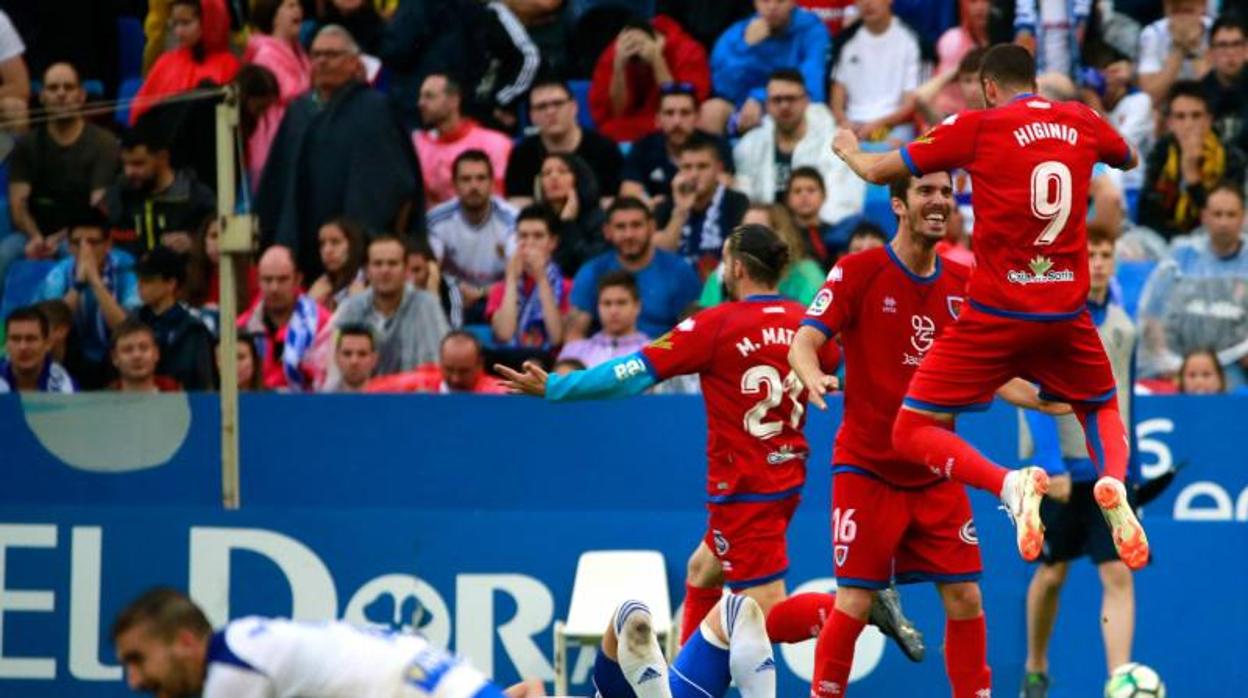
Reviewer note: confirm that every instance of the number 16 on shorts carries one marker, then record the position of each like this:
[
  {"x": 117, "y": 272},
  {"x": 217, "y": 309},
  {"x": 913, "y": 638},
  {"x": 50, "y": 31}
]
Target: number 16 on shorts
[{"x": 844, "y": 530}]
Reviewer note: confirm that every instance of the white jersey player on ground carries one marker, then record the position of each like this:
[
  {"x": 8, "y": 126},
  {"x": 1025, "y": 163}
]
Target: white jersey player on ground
[{"x": 169, "y": 649}]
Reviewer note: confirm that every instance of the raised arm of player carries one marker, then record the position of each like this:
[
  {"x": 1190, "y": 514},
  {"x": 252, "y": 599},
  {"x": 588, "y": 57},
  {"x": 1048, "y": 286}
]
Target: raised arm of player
[
  {"x": 804, "y": 358},
  {"x": 621, "y": 377},
  {"x": 877, "y": 168}
]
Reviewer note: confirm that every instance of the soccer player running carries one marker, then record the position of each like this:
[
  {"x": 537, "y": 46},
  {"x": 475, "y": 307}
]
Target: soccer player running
[
  {"x": 890, "y": 519},
  {"x": 1031, "y": 161}
]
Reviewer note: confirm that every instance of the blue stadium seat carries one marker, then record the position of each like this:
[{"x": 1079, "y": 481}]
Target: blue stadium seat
[
  {"x": 1131, "y": 277},
  {"x": 580, "y": 91},
  {"x": 22, "y": 282},
  {"x": 878, "y": 208},
  {"x": 131, "y": 41},
  {"x": 129, "y": 88}
]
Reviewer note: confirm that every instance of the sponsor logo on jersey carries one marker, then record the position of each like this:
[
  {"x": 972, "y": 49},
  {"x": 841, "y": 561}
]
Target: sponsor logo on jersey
[
  {"x": 1040, "y": 271},
  {"x": 822, "y": 300},
  {"x": 628, "y": 369},
  {"x": 721, "y": 543},
  {"x": 955, "y": 305},
  {"x": 968, "y": 534},
  {"x": 890, "y": 304},
  {"x": 841, "y": 552},
  {"x": 922, "y": 339},
  {"x": 784, "y": 455}
]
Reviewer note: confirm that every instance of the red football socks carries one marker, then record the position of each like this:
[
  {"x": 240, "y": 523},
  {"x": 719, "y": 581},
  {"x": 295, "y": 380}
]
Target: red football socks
[
  {"x": 698, "y": 602},
  {"x": 1106, "y": 438},
  {"x": 933, "y": 444},
  {"x": 966, "y": 657},
  {"x": 799, "y": 617},
  {"x": 834, "y": 655}
]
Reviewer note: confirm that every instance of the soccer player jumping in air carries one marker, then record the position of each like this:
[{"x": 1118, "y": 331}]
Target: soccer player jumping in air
[{"x": 1031, "y": 163}]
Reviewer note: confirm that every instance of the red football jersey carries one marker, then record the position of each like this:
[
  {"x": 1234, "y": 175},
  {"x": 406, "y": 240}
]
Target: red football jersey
[
  {"x": 755, "y": 406},
  {"x": 1031, "y": 164},
  {"x": 887, "y": 318}
]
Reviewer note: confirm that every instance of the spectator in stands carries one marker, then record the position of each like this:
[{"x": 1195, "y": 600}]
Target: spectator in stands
[
  {"x": 570, "y": 189},
  {"x": 423, "y": 272},
  {"x": 651, "y": 162},
  {"x": 447, "y": 134},
  {"x": 471, "y": 233},
  {"x": 865, "y": 236},
  {"x": 286, "y": 324},
  {"x": 61, "y": 168},
  {"x": 340, "y": 151},
  {"x": 804, "y": 198},
  {"x": 407, "y": 323},
  {"x": 99, "y": 285},
  {"x": 274, "y": 44},
  {"x": 702, "y": 210},
  {"x": 553, "y": 110},
  {"x": 952, "y": 92},
  {"x": 1110, "y": 90},
  {"x": 259, "y": 118},
  {"x": 1201, "y": 374},
  {"x": 796, "y": 133},
  {"x": 342, "y": 243},
  {"x": 360, "y": 17},
  {"x": 248, "y": 363},
  {"x": 60, "y": 327},
  {"x": 1199, "y": 296},
  {"x": 203, "y": 276},
  {"x": 875, "y": 75},
  {"x": 802, "y": 278},
  {"x": 1226, "y": 83},
  {"x": 970, "y": 34},
  {"x": 202, "y": 31},
  {"x": 136, "y": 355},
  {"x": 667, "y": 283},
  {"x": 355, "y": 357},
  {"x": 14, "y": 77},
  {"x": 28, "y": 365},
  {"x": 526, "y": 308},
  {"x": 705, "y": 21},
  {"x": 1185, "y": 164},
  {"x": 151, "y": 201},
  {"x": 185, "y": 344},
  {"x": 1053, "y": 32},
  {"x": 619, "y": 306},
  {"x": 1173, "y": 48},
  {"x": 625, "y": 91},
  {"x": 460, "y": 368},
  {"x": 778, "y": 36}
]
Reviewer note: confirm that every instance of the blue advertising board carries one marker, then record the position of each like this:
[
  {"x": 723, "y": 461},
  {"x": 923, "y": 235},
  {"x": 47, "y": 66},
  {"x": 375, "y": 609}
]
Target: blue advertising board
[{"x": 464, "y": 517}]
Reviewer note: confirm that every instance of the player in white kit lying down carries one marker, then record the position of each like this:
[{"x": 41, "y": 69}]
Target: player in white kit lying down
[{"x": 168, "y": 649}]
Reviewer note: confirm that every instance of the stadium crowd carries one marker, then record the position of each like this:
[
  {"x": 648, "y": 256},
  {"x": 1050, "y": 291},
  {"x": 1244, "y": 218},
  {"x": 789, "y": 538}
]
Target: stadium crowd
[{"x": 442, "y": 184}]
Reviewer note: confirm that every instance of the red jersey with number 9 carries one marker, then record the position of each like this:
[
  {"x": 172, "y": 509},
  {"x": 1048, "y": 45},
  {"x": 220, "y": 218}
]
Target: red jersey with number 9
[
  {"x": 755, "y": 406},
  {"x": 1031, "y": 165}
]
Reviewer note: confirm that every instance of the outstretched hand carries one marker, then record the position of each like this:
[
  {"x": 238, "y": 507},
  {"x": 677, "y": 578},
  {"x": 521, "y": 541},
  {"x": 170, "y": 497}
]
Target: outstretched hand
[
  {"x": 845, "y": 143},
  {"x": 820, "y": 386},
  {"x": 531, "y": 382}
]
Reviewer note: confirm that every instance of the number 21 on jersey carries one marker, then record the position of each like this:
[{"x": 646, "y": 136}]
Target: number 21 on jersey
[{"x": 766, "y": 379}]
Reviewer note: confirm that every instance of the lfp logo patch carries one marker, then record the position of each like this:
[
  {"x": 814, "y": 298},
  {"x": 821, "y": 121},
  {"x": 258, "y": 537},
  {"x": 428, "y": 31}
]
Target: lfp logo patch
[{"x": 822, "y": 300}]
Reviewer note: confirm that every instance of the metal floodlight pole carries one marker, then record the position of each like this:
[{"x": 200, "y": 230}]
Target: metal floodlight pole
[{"x": 236, "y": 233}]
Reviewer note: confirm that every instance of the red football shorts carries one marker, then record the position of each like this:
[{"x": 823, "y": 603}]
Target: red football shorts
[
  {"x": 881, "y": 532},
  {"x": 982, "y": 351},
  {"x": 749, "y": 540}
]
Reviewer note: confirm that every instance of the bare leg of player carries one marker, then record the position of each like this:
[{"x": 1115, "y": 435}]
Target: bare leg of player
[
  {"x": 966, "y": 640},
  {"x": 1117, "y": 612},
  {"x": 1043, "y": 595},
  {"x": 704, "y": 585}
]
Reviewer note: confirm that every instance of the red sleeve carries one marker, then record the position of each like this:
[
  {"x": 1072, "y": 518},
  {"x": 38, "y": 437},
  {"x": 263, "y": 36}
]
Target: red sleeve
[
  {"x": 947, "y": 147},
  {"x": 600, "y": 85},
  {"x": 687, "y": 348},
  {"x": 494, "y": 300},
  {"x": 833, "y": 307},
  {"x": 1111, "y": 148}
]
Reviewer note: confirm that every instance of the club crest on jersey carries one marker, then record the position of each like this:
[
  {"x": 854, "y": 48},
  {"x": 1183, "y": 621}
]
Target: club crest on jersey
[
  {"x": 924, "y": 333},
  {"x": 721, "y": 543},
  {"x": 955, "y": 303},
  {"x": 840, "y": 553},
  {"x": 890, "y": 304},
  {"x": 822, "y": 300},
  {"x": 968, "y": 534}
]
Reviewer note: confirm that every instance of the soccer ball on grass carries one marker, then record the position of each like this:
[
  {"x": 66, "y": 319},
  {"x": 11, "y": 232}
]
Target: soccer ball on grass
[{"x": 1133, "y": 680}]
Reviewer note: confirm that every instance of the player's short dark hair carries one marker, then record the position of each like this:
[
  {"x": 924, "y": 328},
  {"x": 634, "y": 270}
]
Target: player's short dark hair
[
  {"x": 791, "y": 75},
  {"x": 761, "y": 250},
  {"x": 900, "y": 187},
  {"x": 547, "y": 83},
  {"x": 57, "y": 312},
  {"x": 382, "y": 238},
  {"x": 1230, "y": 187},
  {"x": 806, "y": 172},
  {"x": 28, "y": 313},
  {"x": 1186, "y": 88},
  {"x": 1009, "y": 65},
  {"x": 166, "y": 611},
  {"x": 540, "y": 212},
  {"x": 620, "y": 278},
  {"x": 356, "y": 329},
  {"x": 1228, "y": 21},
  {"x": 868, "y": 229},
  {"x": 130, "y": 326},
  {"x": 701, "y": 142},
  {"x": 160, "y": 262},
  {"x": 471, "y": 155},
  {"x": 628, "y": 203},
  {"x": 973, "y": 61}
]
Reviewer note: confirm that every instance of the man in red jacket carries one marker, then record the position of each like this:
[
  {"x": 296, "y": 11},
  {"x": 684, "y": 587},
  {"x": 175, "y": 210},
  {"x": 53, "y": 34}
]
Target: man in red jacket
[{"x": 624, "y": 94}]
